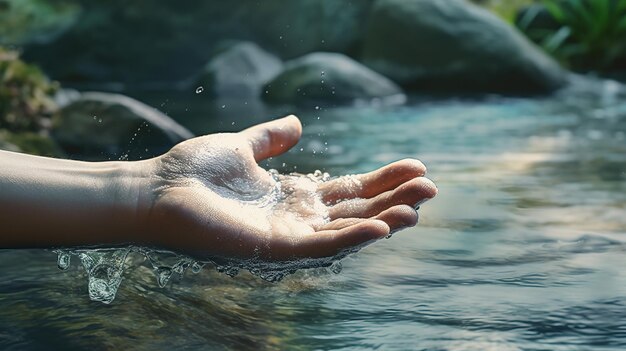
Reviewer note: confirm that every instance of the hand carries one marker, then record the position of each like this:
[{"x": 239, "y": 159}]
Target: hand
[{"x": 212, "y": 199}]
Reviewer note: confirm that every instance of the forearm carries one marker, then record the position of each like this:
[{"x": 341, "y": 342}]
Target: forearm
[{"x": 48, "y": 202}]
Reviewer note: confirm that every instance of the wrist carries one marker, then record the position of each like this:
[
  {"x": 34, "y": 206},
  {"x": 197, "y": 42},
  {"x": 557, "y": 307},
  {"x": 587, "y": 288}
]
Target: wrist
[
  {"x": 132, "y": 187},
  {"x": 47, "y": 202}
]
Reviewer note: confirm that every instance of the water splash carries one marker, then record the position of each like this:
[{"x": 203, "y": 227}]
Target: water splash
[
  {"x": 63, "y": 260},
  {"x": 105, "y": 266}
]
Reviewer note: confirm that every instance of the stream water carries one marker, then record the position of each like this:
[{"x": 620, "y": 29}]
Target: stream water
[{"x": 523, "y": 249}]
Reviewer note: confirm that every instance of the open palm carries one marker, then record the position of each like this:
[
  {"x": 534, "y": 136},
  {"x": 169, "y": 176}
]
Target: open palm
[{"x": 212, "y": 199}]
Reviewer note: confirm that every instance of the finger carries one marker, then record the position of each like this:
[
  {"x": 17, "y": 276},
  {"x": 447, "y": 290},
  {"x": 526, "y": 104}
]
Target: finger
[
  {"x": 341, "y": 223},
  {"x": 373, "y": 183},
  {"x": 396, "y": 217},
  {"x": 273, "y": 138},
  {"x": 399, "y": 217},
  {"x": 329, "y": 243},
  {"x": 412, "y": 193}
]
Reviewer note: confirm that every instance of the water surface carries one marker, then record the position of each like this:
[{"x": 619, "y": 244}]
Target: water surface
[{"x": 523, "y": 249}]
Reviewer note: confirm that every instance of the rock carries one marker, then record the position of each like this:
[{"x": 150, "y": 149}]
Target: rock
[
  {"x": 5, "y": 144},
  {"x": 240, "y": 70},
  {"x": 454, "y": 46},
  {"x": 26, "y": 94},
  {"x": 140, "y": 42},
  {"x": 31, "y": 143},
  {"x": 329, "y": 77},
  {"x": 64, "y": 97},
  {"x": 35, "y": 21},
  {"x": 103, "y": 126}
]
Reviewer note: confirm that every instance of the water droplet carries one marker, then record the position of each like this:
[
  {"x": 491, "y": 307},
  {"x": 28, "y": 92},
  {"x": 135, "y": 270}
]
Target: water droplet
[
  {"x": 63, "y": 260},
  {"x": 163, "y": 275},
  {"x": 232, "y": 124},
  {"x": 181, "y": 266},
  {"x": 223, "y": 106},
  {"x": 199, "y": 89},
  {"x": 317, "y": 107},
  {"x": 104, "y": 268},
  {"x": 228, "y": 270},
  {"x": 336, "y": 267},
  {"x": 196, "y": 267},
  {"x": 322, "y": 74}
]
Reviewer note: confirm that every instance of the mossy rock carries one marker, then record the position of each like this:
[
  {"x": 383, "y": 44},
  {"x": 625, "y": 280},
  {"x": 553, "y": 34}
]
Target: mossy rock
[
  {"x": 30, "y": 143},
  {"x": 35, "y": 21},
  {"x": 26, "y": 94},
  {"x": 5, "y": 144},
  {"x": 104, "y": 126}
]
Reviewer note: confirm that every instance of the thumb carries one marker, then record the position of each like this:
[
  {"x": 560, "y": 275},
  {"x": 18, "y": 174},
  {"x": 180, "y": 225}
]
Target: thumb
[{"x": 274, "y": 137}]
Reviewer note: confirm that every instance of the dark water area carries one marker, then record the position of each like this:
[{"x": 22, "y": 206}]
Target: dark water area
[{"x": 523, "y": 249}]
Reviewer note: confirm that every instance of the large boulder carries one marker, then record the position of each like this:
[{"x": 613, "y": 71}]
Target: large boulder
[
  {"x": 103, "y": 126},
  {"x": 239, "y": 70},
  {"x": 139, "y": 42},
  {"x": 452, "y": 45},
  {"x": 329, "y": 77}
]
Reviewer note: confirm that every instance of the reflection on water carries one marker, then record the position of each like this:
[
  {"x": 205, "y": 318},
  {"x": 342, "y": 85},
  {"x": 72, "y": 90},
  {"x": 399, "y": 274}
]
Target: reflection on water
[{"x": 523, "y": 249}]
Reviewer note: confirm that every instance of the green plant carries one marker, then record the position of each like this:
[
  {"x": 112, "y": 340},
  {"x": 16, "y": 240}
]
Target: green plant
[
  {"x": 590, "y": 34},
  {"x": 35, "y": 21},
  {"x": 25, "y": 94},
  {"x": 506, "y": 9}
]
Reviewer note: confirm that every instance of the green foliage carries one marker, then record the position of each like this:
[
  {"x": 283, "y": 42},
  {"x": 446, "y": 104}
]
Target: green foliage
[
  {"x": 25, "y": 94},
  {"x": 35, "y": 21},
  {"x": 506, "y": 9},
  {"x": 590, "y": 34}
]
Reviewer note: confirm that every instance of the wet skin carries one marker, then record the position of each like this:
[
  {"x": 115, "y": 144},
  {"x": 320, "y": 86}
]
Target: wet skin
[{"x": 210, "y": 188}]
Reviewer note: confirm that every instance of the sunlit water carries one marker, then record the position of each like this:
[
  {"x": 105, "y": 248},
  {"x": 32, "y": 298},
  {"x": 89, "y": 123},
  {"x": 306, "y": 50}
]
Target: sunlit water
[{"x": 523, "y": 249}]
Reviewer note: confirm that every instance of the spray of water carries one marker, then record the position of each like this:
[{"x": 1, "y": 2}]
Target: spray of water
[{"x": 105, "y": 266}]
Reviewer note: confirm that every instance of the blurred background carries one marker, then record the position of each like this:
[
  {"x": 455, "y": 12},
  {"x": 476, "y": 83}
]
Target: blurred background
[
  {"x": 517, "y": 107},
  {"x": 268, "y": 53}
]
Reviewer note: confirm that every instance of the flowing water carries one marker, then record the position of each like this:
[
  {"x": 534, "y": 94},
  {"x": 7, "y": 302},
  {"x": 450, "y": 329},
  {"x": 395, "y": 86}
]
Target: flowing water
[{"x": 523, "y": 249}]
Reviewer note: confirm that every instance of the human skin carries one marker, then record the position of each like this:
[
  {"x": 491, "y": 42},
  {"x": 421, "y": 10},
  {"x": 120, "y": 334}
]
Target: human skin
[{"x": 205, "y": 197}]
